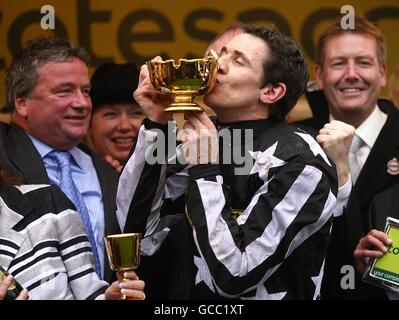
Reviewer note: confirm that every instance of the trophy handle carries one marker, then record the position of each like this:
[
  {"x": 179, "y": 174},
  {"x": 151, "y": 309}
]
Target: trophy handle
[
  {"x": 213, "y": 57},
  {"x": 211, "y": 54}
]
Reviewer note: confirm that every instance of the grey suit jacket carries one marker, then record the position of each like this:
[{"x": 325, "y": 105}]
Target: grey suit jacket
[{"x": 19, "y": 157}]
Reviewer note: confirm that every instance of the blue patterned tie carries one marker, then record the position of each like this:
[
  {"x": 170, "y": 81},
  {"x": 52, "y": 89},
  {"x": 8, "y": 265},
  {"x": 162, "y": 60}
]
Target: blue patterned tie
[{"x": 67, "y": 185}]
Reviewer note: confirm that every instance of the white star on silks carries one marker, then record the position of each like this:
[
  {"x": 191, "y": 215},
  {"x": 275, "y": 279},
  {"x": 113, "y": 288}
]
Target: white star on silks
[
  {"x": 317, "y": 281},
  {"x": 264, "y": 161},
  {"x": 314, "y": 146},
  {"x": 262, "y": 294},
  {"x": 203, "y": 273}
]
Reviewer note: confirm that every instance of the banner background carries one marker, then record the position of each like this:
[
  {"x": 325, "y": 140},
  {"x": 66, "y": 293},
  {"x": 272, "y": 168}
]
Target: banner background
[{"x": 127, "y": 30}]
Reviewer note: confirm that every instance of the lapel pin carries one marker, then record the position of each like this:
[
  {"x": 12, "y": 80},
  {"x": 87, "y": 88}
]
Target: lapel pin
[{"x": 393, "y": 167}]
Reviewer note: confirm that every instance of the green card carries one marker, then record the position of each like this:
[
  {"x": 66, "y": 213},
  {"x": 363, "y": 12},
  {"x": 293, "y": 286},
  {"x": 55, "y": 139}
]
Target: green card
[{"x": 386, "y": 268}]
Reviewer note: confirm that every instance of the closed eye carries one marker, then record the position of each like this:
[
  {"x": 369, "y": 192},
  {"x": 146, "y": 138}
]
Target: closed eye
[{"x": 238, "y": 61}]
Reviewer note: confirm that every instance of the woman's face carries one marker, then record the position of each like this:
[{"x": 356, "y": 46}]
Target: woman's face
[{"x": 114, "y": 129}]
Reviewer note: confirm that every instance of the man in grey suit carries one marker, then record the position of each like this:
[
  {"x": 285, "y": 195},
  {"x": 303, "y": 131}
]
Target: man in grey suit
[
  {"x": 351, "y": 70},
  {"x": 47, "y": 92}
]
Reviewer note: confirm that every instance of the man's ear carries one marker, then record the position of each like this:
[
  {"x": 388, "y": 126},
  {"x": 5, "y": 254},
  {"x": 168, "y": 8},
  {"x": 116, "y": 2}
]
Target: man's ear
[
  {"x": 271, "y": 94},
  {"x": 318, "y": 76},
  {"x": 383, "y": 71},
  {"x": 21, "y": 107}
]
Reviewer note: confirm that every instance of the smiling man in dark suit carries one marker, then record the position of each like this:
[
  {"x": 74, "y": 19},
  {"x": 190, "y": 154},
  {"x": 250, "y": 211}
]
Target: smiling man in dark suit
[
  {"x": 351, "y": 70},
  {"x": 47, "y": 92}
]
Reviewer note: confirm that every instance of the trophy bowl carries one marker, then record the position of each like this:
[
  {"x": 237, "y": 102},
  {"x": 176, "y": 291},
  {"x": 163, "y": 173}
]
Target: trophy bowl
[
  {"x": 123, "y": 251},
  {"x": 184, "y": 80}
]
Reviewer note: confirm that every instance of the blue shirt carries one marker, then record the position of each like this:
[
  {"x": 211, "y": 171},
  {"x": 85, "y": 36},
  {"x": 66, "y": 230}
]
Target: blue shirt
[{"x": 85, "y": 178}]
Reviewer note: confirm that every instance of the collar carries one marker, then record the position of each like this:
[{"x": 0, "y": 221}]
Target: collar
[
  {"x": 369, "y": 130},
  {"x": 259, "y": 126},
  {"x": 78, "y": 156}
]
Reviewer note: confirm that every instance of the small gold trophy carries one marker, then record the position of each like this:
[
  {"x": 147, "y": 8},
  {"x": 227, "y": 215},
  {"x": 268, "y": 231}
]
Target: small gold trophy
[
  {"x": 14, "y": 289},
  {"x": 123, "y": 251},
  {"x": 184, "y": 80}
]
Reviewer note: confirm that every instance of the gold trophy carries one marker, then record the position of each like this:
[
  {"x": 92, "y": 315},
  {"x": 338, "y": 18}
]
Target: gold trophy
[
  {"x": 184, "y": 80},
  {"x": 123, "y": 251}
]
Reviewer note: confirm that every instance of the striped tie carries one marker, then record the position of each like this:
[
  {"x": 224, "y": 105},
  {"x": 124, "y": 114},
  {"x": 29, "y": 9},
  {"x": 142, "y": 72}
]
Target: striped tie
[
  {"x": 67, "y": 185},
  {"x": 355, "y": 166}
]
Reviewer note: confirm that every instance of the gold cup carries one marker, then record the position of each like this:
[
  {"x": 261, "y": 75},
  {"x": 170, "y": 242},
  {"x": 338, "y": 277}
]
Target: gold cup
[
  {"x": 123, "y": 251},
  {"x": 184, "y": 80}
]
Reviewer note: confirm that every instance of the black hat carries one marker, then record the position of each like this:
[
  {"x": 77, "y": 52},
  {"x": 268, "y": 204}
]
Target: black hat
[{"x": 114, "y": 83}]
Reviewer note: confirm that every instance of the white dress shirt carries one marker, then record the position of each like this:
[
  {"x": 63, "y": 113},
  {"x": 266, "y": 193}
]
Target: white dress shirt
[{"x": 368, "y": 131}]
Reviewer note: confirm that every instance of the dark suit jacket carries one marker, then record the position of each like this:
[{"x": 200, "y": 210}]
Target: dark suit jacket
[
  {"x": 319, "y": 106},
  {"x": 19, "y": 157},
  {"x": 169, "y": 273},
  {"x": 355, "y": 222},
  {"x": 384, "y": 204}
]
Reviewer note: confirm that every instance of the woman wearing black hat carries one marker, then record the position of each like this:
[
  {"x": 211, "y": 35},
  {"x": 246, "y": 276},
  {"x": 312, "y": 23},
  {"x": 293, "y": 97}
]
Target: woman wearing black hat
[{"x": 116, "y": 116}]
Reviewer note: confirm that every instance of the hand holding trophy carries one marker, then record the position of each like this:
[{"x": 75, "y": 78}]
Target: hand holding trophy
[{"x": 123, "y": 252}]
